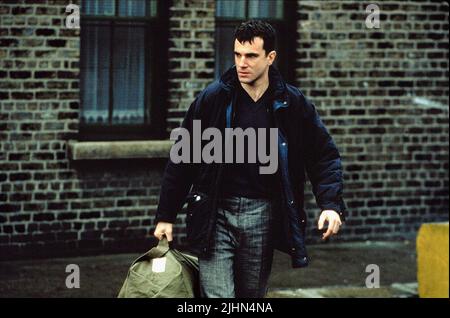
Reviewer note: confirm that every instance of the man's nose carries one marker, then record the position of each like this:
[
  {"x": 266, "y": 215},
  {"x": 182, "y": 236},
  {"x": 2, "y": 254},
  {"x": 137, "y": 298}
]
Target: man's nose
[{"x": 242, "y": 62}]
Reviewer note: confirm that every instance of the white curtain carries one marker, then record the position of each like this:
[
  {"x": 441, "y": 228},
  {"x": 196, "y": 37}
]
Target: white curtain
[
  {"x": 132, "y": 8},
  {"x": 98, "y": 7},
  {"x": 265, "y": 9},
  {"x": 128, "y": 65},
  {"x": 232, "y": 9},
  {"x": 256, "y": 9},
  {"x": 129, "y": 75},
  {"x": 95, "y": 57}
]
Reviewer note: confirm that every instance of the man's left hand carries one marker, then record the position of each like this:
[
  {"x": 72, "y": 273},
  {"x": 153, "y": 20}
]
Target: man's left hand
[{"x": 334, "y": 222}]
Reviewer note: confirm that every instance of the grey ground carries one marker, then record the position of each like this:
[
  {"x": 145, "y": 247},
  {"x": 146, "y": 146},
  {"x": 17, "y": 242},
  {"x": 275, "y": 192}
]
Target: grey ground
[{"x": 336, "y": 270}]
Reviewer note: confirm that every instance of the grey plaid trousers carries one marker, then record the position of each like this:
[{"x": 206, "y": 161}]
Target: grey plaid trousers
[{"x": 241, "y": 260}]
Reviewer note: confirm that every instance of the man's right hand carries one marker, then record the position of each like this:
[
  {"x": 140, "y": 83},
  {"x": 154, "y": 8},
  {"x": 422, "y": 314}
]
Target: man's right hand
[{"x": 163, "y": 228}]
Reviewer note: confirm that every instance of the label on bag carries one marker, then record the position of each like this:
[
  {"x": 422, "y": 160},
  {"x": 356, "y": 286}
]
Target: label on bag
[{"x": 159, "y": 265}]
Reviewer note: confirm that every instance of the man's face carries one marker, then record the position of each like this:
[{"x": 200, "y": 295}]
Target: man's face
[{"x": 251, "y": 60}]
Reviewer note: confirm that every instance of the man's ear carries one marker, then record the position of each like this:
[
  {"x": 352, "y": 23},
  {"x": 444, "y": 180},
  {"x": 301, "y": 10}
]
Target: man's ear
[{"x": 271, "y": 56}]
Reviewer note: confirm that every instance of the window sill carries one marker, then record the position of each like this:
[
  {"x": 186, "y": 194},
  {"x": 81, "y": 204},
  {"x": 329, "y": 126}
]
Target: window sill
[{"x": 101, "y": 150}]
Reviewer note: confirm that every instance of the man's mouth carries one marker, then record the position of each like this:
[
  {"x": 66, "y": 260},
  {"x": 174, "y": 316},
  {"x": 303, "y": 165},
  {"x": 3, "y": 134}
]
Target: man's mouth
[{"x": 243, "y": 73}]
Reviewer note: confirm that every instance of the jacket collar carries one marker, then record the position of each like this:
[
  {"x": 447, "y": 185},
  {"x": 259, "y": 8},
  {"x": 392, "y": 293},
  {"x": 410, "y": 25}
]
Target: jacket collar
[{"x": 229, "y": 81}]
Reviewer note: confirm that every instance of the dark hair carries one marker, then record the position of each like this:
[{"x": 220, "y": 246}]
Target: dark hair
[{"x": 247, "y": 31}]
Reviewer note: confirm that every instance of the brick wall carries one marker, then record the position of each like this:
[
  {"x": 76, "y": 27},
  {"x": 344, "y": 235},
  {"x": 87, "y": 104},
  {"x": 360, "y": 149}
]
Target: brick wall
[
  {"x": 48, "y": 204},
  {"x": 383, "y": 94},
  {"x": 191, "y": 55},
  {"x": 39, "y": 112}
]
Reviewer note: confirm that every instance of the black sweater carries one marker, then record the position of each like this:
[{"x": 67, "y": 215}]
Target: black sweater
[{"x": 244, "y": 179}]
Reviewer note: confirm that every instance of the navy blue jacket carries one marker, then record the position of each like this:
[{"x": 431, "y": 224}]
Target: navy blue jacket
[{"x": 304, "y": 144}]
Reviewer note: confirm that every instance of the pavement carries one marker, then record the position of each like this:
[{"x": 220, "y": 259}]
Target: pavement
[
  {"x": 336, "y": 270},
  {"x": 341, "y": 270},
  {"x": 396, "y": 290}
]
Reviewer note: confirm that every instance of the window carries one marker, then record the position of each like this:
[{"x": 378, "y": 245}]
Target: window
[
  {"x": 279, "y": 13},
  {"x": 123, "y": 53}
]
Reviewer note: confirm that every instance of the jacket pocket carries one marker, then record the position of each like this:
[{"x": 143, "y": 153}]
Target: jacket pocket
[{"x": 197, "y": 216}]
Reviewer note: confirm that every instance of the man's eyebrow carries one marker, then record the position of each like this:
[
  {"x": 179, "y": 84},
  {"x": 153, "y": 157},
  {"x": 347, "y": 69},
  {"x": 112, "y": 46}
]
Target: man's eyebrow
[{"x": 251, "y": 53}]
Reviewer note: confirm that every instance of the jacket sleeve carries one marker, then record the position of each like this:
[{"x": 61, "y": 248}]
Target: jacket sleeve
[
  {"x": 178, "y": 177},
  {"x": 323, "y": 164}
]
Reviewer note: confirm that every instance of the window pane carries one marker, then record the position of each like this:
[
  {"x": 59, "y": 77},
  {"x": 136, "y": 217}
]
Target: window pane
[
  {"x": 230, "y": 9},
  {"x": 98, "y": 7},
  {"x": 265, "y": 9},
  {"x": 224, "y": 49},
  {"x": 137, "y": 8},
  {"x": 95, "y": 57},
  {"x": 129, "y": 71},
  {"x": 153, "y": 8},
  {"x": 133, "y": 8}
]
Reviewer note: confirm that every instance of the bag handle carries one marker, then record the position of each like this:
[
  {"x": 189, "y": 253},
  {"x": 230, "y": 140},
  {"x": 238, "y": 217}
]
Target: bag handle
[
  {"x": 158, "y": 251},
  {"x": 162, "y": 247}
]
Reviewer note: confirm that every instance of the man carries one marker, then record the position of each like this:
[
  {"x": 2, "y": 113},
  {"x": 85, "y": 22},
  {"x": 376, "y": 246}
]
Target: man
[{"x": 236, "y": 215}]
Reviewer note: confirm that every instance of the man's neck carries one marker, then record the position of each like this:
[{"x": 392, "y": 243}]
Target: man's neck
[{"x": 257, "y": 88}]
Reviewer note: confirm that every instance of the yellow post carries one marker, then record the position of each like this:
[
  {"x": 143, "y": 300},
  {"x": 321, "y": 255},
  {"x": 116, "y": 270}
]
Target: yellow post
[{"x": 432, "y": 260}]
